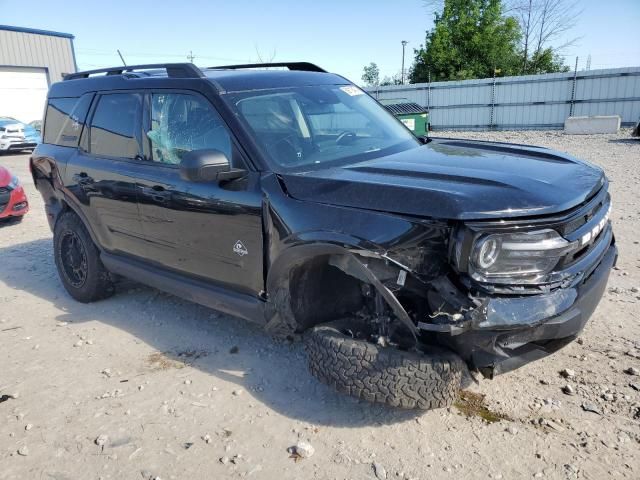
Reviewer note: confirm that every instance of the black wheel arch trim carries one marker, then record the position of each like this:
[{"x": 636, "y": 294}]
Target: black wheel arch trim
[
  {"x": 345, "y": 256},
  {"x": 67, "y": 200}
]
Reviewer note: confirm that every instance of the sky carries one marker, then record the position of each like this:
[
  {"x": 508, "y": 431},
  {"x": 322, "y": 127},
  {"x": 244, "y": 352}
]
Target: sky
[{"x": 340, "y": 36}]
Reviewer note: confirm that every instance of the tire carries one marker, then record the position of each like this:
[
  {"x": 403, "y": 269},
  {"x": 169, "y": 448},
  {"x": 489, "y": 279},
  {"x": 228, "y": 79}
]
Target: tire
[
  {"x": 383, "y": 375},
  {"x": 78, "y": 261}
]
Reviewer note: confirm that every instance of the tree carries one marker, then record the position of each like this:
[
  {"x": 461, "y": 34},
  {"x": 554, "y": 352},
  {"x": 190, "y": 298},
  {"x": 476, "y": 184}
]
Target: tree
[
  {"x": 470, "y": 39},
  {"x": 393, "y": 80},
  {"x": 543, "y": 24},
  {"x": 545, "y": 61},
  {"x": 371, "y": 75}
]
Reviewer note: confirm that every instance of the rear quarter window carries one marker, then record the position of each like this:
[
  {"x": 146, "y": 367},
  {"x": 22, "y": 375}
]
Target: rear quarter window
[{"x": 65, "y": 119}]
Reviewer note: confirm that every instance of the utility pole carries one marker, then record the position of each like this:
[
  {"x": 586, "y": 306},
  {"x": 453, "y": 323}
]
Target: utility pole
[
  {"x": 190, "y": 57},
  {"x": 404, "y": 44},
  {"x": 573, "y": 88}
]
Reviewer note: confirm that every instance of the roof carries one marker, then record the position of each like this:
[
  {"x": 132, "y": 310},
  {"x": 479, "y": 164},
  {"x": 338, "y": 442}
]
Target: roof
[
  {"x": 224, "y": 80},
  {"x": 8, "y": 121},
  {"x": 241, "y": 80},
  {"x": 35, "y": 31}
]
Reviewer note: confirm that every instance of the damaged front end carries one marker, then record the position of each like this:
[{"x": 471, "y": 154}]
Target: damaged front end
[{"x": 502, "y": 295}]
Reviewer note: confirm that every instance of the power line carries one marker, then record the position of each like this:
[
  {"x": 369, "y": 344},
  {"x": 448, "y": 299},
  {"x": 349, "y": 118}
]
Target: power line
[{"x": 105, "y": 53}]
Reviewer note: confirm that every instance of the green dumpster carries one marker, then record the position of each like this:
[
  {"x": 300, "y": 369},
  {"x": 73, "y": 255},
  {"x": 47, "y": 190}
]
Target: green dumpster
[{"x": 414, "y": 116}]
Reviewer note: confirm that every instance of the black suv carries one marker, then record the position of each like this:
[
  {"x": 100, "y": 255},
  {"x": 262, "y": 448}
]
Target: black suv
[{"x": 291, "y": 198}]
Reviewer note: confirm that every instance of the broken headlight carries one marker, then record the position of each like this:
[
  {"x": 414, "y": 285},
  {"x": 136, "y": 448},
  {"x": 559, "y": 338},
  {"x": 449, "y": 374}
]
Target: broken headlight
[{"x": 522, "y": 257}]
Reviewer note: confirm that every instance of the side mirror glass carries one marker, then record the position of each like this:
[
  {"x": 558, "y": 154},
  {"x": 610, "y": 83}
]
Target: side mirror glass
[{"x": 207, "y": 165}]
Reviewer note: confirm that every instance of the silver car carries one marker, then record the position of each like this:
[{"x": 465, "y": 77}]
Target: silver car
[{"x": 16, "y": 136}]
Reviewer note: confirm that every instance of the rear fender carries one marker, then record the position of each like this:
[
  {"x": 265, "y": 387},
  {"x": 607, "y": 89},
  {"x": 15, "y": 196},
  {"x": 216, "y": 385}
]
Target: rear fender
[{"x": 48, "y": 181}]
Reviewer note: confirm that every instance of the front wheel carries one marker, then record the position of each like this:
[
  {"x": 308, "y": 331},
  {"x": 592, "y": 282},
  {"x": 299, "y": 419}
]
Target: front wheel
[
  {"x": 382, "y": 374},
  {"x": 78, "y": 261}
]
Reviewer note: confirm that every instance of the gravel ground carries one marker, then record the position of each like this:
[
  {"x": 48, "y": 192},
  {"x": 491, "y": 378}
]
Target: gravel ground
[{"x": 145, "y": 385}]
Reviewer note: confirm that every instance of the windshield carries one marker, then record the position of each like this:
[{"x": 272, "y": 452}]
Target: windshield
[{"x": 301, "y": 128}]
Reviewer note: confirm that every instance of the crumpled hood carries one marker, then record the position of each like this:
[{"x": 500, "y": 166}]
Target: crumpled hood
[{"x": 455, "y": 179}]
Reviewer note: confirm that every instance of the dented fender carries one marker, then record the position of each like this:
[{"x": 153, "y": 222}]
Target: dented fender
[
  {"x": 298, "y": 231},
  {"x": 348, "y": 260}
]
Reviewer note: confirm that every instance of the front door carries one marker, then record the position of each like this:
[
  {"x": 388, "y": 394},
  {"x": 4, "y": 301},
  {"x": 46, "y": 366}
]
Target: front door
[{"x": 208, "y": 230}]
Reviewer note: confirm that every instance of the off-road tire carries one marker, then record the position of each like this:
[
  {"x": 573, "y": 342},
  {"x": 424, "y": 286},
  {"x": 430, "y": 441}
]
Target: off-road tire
[
  {"x": 98, "y": 283},
  {"x": 383, "y": 374}
]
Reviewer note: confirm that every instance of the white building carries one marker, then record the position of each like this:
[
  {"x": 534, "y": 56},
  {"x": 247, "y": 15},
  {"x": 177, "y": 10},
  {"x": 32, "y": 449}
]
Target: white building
[{"x": 30, "y": 61}]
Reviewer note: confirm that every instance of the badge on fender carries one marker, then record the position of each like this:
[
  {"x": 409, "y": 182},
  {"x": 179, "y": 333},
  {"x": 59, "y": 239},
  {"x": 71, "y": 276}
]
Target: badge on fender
[{"x": 240, "y": 249}]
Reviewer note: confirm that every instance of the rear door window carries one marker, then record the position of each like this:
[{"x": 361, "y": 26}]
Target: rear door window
[{"x": 116, "y": 125}]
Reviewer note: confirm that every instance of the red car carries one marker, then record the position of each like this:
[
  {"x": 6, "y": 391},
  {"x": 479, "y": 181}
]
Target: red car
[{"x": 13, "y": 200}]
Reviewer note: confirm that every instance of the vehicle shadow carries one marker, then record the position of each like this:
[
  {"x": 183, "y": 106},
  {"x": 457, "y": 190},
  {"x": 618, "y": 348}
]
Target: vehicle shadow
[
  {"x": 273, "y": 371},
  {"x": 631, "y": 140},
  {"x": 15, "y": 153},
  {"x": 9, "y": 221}
]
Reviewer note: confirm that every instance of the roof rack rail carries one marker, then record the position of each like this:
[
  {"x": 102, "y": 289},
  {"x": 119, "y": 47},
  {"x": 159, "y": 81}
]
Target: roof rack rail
[
  {"x": 300, "y": 66},
  {"x": 174, "y": 70}
]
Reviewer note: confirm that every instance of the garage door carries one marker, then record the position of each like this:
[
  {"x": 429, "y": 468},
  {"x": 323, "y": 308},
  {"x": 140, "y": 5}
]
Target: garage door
[{"x": 23, "y": 92}]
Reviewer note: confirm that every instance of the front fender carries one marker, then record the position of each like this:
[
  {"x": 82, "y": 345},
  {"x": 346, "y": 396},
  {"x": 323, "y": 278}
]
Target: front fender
[
  {"x": 346, "y": 257},
  {"x": 278, "y": 312},
  {"x": 298, "y": 231}
]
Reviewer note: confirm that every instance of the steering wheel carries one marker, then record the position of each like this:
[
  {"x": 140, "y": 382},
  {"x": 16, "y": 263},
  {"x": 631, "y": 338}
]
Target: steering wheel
[
  {"x": 345, "y": 138},
  {"x": 287, "y": 152}
]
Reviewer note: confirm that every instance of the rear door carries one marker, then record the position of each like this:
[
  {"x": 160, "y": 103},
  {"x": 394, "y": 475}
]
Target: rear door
[
  {"x": 102, "y": 175},
  {"x": 208, "y": 230}
]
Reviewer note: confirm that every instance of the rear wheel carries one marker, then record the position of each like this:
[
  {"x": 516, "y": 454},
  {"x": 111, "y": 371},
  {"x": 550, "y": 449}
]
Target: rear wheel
[
  {"x": 382, "y": 374},
  {"x": 78, "y": 261}
]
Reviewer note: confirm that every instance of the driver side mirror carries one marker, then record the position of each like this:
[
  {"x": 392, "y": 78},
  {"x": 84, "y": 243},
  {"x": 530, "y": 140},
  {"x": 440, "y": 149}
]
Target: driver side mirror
[{"x": 207, "y": 165}]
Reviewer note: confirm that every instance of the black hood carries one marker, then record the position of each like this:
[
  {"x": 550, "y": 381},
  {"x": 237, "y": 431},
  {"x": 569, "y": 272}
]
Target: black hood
[{"x": 455, "y": 179}]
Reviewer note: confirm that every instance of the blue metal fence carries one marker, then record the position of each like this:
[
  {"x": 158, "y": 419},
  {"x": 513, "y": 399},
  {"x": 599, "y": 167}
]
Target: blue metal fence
[{"x": 525, "y": 102}]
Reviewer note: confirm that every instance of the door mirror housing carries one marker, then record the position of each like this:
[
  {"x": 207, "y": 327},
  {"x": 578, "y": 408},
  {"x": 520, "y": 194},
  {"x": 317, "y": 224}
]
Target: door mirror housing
[{"x": 207, "y": 165}]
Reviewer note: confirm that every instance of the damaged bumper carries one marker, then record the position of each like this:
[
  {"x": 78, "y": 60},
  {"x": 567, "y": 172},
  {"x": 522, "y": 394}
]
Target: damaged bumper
[{"x": 545, "y": 323}]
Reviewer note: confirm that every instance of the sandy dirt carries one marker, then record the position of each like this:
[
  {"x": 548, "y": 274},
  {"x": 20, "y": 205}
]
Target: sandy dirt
[{"x": 145, "y": 385}]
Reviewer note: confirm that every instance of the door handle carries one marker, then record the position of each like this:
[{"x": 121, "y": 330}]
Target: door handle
[
  {"x": 156, "y": 193},
  {"x": 156, "y": 189},
  {"x": 82, "y": 178}
]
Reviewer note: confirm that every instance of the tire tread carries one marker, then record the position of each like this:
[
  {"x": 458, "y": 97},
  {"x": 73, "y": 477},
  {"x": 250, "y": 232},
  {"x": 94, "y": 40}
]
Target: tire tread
[{"x": 383, "y": 375}]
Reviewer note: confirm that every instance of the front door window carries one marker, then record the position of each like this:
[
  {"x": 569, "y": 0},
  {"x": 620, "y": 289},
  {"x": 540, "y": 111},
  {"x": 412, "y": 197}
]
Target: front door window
[{"x": 181, "y": 123}]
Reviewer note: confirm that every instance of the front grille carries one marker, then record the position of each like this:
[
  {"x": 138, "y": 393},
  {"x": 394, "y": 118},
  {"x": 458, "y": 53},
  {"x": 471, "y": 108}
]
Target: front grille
[
  {"x": 5, "y": 195},
  {"x": 588, "y": 227},
  {"x": 22, "y": 146}
]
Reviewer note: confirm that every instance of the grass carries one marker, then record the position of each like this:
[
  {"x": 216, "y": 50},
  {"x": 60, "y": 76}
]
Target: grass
[
  {"x": 165, "y": 360},
  {"x": 472, "y": 404}
]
